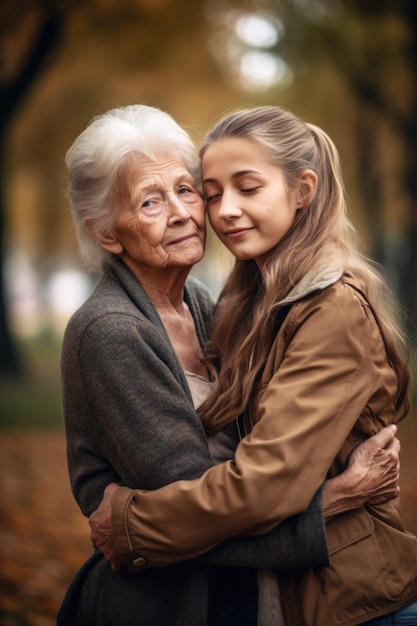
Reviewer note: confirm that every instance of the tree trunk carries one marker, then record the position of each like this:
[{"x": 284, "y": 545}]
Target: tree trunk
[
  {"x": 9, "y": 363},
  {"x": 11, "y": 95}
]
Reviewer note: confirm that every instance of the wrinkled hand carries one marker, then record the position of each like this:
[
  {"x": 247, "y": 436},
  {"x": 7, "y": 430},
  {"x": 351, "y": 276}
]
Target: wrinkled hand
[
  {"x": 101, "y": 530},
  {"x": 372, "y": 475},
  {"x": 376, "y": 466}
]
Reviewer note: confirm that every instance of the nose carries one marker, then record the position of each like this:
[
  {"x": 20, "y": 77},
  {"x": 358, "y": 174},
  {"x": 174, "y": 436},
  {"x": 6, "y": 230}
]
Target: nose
[
  {"x": 179, "y": 212},
  {"x": 228, "y": 206}
]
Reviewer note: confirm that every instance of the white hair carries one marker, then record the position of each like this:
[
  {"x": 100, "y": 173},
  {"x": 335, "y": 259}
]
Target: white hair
[{"x": 97, "y": 156}]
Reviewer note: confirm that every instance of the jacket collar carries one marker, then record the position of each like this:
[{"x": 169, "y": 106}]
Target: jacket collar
[{"x": 315, "y": 280}]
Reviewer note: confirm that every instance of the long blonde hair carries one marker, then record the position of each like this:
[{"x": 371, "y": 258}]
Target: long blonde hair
[{"x": 245, "y": 315}]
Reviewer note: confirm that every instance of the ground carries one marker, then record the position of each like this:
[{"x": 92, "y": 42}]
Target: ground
[{"x": 44, "y": 538}]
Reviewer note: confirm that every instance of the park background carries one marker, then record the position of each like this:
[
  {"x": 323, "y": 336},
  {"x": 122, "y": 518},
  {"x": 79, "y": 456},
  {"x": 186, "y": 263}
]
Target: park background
[{"x": 347, "y": 65}]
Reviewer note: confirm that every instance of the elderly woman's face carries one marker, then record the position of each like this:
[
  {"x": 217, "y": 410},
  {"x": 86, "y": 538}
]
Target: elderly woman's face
[{"x": 161, "y": 216}]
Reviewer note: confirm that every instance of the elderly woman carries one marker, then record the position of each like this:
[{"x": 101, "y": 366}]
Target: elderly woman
[{"x": 132, "y": 374}]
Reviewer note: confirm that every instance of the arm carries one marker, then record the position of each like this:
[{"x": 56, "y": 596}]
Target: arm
[
  {"x": 372, "y": 475},
  {"x": 120, "y": 430},
  {"x": 296, "y": 543},
  {"x": 372, "y": 472},
  {"x": 296, "y": 439}
]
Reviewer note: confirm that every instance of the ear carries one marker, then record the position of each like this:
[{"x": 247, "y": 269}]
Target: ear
[
  {"x": 108, "y": 241},
  {"x": 306, "y": 189}
]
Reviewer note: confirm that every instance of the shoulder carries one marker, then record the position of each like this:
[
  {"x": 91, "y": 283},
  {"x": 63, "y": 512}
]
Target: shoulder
[
  {"x": 108, "y": 312},
  {"x": 345, "y": 296},
  {"x": 339, "y": 312}
]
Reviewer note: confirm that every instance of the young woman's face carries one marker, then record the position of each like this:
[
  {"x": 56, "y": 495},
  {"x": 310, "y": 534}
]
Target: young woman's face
[{"x": 249, "y": 204}]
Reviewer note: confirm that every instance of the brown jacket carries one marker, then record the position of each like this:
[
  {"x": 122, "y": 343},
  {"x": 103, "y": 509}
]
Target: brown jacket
[
  {"x": 129, "y": 417},
  {"x": 328, "y": 387}
]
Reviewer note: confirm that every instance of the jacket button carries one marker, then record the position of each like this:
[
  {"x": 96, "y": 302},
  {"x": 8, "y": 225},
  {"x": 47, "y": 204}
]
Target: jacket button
[{"x": 139, "y": 562}]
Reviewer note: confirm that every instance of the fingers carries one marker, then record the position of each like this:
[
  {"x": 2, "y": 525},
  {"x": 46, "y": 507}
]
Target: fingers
[
  {"x": 385, "y": 436},
  {"x": 382, "y": 498},
  {"x": 110, "y": 490},
  {"x": 388, "y": 476},
  {"x": 389, "y": 456},
  {"x": 394, "y": 447}
]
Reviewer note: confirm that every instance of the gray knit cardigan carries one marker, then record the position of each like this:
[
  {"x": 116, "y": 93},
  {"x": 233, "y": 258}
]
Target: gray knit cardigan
[{"x": 129, "y": 418}]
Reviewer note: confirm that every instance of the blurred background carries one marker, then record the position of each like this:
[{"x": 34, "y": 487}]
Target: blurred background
[{"x": 347, "y": 65}]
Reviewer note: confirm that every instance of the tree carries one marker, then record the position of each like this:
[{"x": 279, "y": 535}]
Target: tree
[
  {"x": 373, "y": 46},
  {"x": 394, "y": 99},
  {"x": 45, "y": 22}
]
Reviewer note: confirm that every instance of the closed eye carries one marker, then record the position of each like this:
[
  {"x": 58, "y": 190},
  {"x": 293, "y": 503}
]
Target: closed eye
[
  {"x": 250, "y": 190},
  {"x": 213, "y": 197}
]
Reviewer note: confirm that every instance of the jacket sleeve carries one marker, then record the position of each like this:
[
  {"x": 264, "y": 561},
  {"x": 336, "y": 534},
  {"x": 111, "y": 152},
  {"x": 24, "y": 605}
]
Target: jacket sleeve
[
  {"x": 310, "y": 405},
  {"x": 298, "y": 542},
  {"x": 129, "y": 420}
]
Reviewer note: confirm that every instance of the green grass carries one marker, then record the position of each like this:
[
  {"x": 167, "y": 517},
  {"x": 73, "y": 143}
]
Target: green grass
[
  {"x": 28, "y": 406},
  {"x": 34, "y": 401}
]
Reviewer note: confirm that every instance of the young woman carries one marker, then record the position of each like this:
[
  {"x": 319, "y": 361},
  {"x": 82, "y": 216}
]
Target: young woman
[
  {"x": 127, "y": 356},
  {"x": 312, "y": 364}
]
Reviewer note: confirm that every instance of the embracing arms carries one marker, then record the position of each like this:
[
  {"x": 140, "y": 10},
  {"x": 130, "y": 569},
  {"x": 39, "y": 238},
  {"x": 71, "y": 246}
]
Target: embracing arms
[
  {"x": 269, "y": 481},
  {"x": 372, "y": 475},
  {"x": 130, "y": 420}
]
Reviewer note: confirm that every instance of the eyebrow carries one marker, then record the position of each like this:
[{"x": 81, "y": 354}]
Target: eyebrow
[
  {"x": 147, "y": 188},
  {"x": 234, "y": 176}
]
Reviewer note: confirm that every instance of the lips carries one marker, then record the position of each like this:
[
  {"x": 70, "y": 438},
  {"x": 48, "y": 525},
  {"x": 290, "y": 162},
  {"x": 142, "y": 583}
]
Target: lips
[
  {"x": 236, "y": 232},
  {"x": 181, "y": 239}
]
